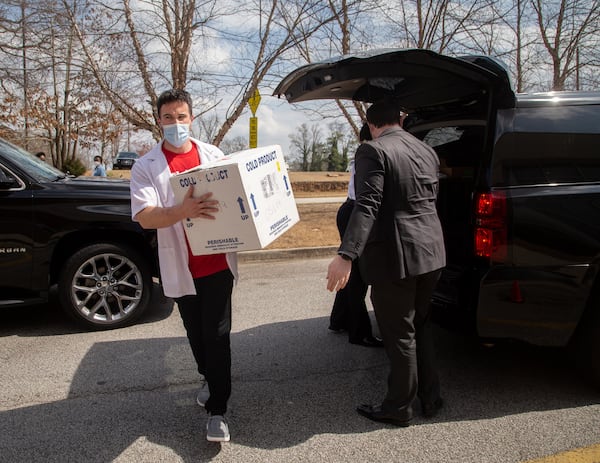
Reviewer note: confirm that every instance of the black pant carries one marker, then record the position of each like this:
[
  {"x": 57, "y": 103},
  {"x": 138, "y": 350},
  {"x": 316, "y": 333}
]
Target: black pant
[
  {"x": 349, "y": 308},
  {"x": 402, "y": 310},
  {"x": 207, "y": 321}
]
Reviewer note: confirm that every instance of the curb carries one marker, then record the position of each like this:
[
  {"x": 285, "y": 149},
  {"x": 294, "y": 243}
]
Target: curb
[
  {"x": 285, "y": 254},
  {"x": 264, "y": 255}
]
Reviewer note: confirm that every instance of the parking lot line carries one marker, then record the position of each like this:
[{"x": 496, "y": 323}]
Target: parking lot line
[{"x": 582, "y": 455}]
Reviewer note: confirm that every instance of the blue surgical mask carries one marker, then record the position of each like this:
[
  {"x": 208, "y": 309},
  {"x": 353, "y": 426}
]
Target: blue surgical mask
[{"x": 176, "y": 134}]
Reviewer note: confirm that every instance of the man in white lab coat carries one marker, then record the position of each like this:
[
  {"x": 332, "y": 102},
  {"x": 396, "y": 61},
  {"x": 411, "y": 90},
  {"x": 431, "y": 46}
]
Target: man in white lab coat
[{"x": 200, "y": 285}]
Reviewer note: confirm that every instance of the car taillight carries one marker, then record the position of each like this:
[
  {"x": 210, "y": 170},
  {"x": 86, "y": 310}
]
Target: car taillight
[{"x": 490, "y": 225}]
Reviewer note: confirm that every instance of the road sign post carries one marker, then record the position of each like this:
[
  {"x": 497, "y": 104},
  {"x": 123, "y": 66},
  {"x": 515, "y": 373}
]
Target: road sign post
[
  {"x": 253, "y": 102},
  {"x": 253, "y": 140}
]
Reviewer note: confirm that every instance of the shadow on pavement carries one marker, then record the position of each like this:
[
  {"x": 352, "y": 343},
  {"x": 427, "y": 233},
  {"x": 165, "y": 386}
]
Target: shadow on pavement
[
  {"x": 292, "y": 380},
  {"x": 50, "y": 319}
]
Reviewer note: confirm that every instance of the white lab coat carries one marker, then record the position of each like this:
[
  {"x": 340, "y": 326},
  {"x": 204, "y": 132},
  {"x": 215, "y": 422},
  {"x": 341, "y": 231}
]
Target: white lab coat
[{"x": 150, "y": 186}]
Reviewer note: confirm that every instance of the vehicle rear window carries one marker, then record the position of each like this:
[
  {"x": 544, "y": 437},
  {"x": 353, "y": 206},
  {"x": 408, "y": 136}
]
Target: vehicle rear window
[
  {"x": 546, "y": 158},
  {"x": 459, "y": 148}
]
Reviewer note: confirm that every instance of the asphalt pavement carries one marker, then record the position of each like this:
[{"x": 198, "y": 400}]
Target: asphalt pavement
[{"x": 128, "y": 395}]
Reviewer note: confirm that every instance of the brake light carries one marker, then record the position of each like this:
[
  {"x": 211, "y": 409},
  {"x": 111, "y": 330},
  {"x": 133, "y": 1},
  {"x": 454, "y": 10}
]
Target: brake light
[{"x": 490, "y": 225}]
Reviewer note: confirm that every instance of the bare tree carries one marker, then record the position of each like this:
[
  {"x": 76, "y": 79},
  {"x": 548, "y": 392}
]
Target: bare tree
[
  {"x": 234, "y": 144},
  {"x": 347, "y": 31},
  {"x": 148, "y": 36},
  {"x": 282, "y": 25},
  {"x": 438, "y": 25},
  {"x": 51, "y": 99},
  {"x": 17, "y": 22},
  {"x": 501, "y": 31},
  {"x": 209, "y": 126},
  {"x": 519, "y": 45},
  {"x": 176, "y": 29},
  {"x": 79, "y": 73},
  {"x": 570, "y": 32},
  {"x": 345, "y": 25}
]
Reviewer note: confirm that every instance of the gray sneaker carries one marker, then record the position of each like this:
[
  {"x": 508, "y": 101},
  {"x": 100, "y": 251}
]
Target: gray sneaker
[
  {"x": 217, "y": 429},
  {"x": 203, "y": 394}
]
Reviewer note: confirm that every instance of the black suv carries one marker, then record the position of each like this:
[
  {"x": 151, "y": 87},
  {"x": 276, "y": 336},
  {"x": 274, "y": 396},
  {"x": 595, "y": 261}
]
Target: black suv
[
  {"x": 76, "y": 233},
  {"x": 125, "y": 160},
  {"x": 519, "y": 189}
]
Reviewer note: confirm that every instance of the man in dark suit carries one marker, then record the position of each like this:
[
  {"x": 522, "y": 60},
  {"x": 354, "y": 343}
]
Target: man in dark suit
[{"x": 395, "y": 230}]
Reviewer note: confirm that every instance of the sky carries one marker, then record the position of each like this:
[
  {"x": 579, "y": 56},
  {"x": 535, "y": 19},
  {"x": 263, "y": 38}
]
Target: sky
[
  {"x": 222, "y": 52},
  {"x": 276, "y": 120},
  {"x": 228, "y": 50}
]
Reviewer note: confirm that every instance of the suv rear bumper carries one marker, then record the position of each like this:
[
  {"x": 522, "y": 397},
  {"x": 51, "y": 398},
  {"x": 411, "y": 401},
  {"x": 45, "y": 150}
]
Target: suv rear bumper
[{"x": 538, "y": 305}]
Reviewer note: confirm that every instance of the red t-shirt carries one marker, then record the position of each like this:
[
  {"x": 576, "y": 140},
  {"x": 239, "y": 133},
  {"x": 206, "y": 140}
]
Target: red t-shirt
[{"x": 200, "y": 266}]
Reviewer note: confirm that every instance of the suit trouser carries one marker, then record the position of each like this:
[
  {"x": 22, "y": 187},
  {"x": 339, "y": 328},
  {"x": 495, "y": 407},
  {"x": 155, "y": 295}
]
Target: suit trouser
[
  {"x": 402, "y": 310},
  {"x": 349, "y": 309},
  {"x": 207, "y": 320}
]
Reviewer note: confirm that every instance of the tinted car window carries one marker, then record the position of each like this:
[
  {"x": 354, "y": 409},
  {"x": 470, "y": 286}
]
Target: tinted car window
[
  {"x": 8, "y": 181},
  {"x": 127, "y": 155},
  {"x": 546, "y": 158},
  {"x": 457, "y": 146},
  {"x": 36, "y": 168}
]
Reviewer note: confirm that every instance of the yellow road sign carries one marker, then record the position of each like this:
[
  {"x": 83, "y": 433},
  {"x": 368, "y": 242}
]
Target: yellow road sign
[
  {"x": 254, "y": 101},
  {"x": 253, "y": 142}
]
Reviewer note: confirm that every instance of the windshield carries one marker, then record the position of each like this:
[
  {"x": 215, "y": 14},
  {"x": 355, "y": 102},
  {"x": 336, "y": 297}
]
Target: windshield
[
  {"x": 127, "y": 155},
  {"x": 36, "y": 168}
]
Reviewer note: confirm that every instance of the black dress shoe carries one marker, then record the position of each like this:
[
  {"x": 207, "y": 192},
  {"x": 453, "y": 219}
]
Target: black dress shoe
[
  {"x": 375, "y": 413},
  {"x": 368, "y": 341},
  {"x": 430, "y": 410},
  {"x": 337, "y": 329}
]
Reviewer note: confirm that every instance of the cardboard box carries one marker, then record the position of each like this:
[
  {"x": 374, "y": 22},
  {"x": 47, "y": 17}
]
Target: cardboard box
[{"x": 256, "y": 202}]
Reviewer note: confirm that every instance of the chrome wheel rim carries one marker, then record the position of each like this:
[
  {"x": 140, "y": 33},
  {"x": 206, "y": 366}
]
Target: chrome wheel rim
[{"x": 107, "y": 288}]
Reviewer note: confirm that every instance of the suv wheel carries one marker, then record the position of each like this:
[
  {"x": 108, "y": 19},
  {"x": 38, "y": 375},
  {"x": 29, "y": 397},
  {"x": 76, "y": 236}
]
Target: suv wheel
[{"x": 105, "y": 286}]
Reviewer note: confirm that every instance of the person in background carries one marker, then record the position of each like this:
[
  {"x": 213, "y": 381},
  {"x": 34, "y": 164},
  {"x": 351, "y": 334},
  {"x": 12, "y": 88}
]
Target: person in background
[
  {"x": 395, "y": 230},
  {"x": 349, "y": 310},
  {"x": 99, "y": 170},
  {"x": 201, "y": 285},
  {"x": 41, "y": 156}
]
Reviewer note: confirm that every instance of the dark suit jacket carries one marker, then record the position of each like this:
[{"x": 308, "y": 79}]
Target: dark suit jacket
[{"x": 394, "y": 226}]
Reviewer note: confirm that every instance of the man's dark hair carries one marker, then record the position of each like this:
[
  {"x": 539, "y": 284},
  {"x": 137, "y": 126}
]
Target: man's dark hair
[
  {"x": 97, "y": 158},
  {"x": 172, "y": 95},
  {"x": 384, "y": 112}
]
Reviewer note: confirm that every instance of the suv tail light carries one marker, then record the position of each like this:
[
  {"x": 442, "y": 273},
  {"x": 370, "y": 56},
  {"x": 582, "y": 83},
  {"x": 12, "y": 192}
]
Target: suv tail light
[{"x": 490, "y": 225}]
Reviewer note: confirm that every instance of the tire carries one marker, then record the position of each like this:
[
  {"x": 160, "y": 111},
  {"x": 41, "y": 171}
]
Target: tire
[{"x": 105, "y": 286}]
